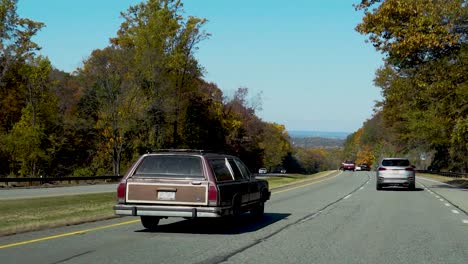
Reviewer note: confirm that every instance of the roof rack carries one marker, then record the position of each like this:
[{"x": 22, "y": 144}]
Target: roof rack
[{"x": 200, "y": 151}]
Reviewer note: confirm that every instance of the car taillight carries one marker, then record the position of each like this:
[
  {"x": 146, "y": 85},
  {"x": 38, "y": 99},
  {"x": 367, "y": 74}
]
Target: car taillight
[
  {"x": 121, "y": 192},
  {"x": 212, "y": 195},
  {"x": 382, "y": 169},
  {"x": 409, "y": 169}
]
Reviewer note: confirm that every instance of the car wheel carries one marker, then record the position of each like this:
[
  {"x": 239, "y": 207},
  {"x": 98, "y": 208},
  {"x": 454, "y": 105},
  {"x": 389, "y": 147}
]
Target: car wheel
[
  {"x": 258, "y": 211},
  {"x": 379, "y": 187},
  {"x": 236, "y": 207},
  {"x": 412, "y": 186},
  {"x": 150, "y": 222}
]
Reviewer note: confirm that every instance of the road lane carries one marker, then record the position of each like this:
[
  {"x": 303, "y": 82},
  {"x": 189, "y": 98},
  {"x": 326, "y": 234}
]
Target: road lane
[
  {"x": 389, "y": 226},
  {"x": 313, "y": 224}
]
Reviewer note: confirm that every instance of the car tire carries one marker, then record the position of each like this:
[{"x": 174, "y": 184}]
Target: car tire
[
  {"x": 236, "y": 207},
  {"x": 378, "y": 187},
  {"x": 412, "y": 186},
  {"x": 150, "y": 222},
  {"x": 258, "y": 211}
]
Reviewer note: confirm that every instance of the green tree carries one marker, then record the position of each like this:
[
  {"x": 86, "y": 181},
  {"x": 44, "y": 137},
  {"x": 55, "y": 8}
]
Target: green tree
[
  {"x": 31, "y": 141},
  {"x": 120, "y": 102},
  {"x": 275, "y": 145},
  {"x": 164, "y": 43},
  {"x": 424, "y": 77}
]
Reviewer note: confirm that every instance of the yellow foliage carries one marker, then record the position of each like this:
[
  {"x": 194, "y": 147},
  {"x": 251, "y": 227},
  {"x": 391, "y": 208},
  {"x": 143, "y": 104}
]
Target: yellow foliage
[{"x": 365, "y": 155}]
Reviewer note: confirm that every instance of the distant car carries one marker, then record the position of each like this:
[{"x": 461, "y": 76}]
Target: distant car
[
  {"x": 262, "y": 171},
  {"x": 364, "y": 167},
  {"x": 395, "y": 172},
  {"x": 349, "y": 165},
  {"x": 283, "y": 171},
  {"x": 358, "y": 168}
]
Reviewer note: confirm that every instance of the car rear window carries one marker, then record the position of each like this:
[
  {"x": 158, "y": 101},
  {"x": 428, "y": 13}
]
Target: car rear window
[
  {"x": 396, "y": 163},
  {"x": 221, "y": 169},
  {"x": 170, "y": 166}
]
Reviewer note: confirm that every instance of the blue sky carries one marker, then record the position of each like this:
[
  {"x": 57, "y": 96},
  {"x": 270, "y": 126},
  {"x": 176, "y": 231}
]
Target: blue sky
[{"x": 314, "y": 71}]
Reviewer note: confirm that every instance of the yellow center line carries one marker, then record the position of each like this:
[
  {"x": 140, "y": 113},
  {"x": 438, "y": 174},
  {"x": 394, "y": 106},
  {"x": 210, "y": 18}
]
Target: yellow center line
[
  {"x": 304, "y": 185},
  {"x": 67, "y": 234},
  {"x": 131, "y": 222}
]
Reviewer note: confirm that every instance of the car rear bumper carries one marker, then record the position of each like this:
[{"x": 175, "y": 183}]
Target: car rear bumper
[
  {"x": 395, "y": 181},
  {"x": 170, "y": 211}
]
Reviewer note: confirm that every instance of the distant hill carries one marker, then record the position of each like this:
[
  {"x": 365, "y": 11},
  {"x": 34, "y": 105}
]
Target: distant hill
[
  {"x": 317, "y": 142},
  {"x": 317, "y": 134}
]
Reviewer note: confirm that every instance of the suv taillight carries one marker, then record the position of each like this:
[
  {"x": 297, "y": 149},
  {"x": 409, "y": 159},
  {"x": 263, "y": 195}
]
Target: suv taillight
[
  {"x": 382, "y": 169},
  {"x": 121, "y": 192},
  {"x": 212, "y": 195}
]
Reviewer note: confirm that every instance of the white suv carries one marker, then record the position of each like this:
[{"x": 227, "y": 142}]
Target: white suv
[{"x": 395, "y": 172}]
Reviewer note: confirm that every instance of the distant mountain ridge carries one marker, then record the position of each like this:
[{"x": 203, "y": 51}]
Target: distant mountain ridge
[{"x": 321, "y": 134}]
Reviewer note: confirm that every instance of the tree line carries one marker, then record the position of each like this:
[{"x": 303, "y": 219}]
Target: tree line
[
  {"x": 424, "y": 83},
  {"x": 144, "y": 91}
]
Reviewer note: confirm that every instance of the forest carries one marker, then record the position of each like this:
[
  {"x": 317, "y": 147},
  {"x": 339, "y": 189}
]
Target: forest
[
  {"x": 144, "y": 91},
  {"x": 423, "y": 113}
]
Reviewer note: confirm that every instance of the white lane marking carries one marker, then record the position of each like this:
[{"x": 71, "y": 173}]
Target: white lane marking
[
  {"x": 347, "y": 196},
  {"x": 437, "y": 196},
  {"x": 361, "y": 188},
  {"x": 447, "y": 204},
  {"x": 426, "y": 179},
  {"x": 455, "y": 212},
  {"x": 441, "y": 200},
  {"x": 465, "y": 221}
]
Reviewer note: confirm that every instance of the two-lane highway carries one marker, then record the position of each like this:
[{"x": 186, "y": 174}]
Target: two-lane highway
[{"x": 342, "y": 219}]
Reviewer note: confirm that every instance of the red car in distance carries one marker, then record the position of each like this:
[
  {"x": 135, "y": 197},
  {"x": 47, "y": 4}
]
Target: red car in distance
[{"x": 348, "y": 165}]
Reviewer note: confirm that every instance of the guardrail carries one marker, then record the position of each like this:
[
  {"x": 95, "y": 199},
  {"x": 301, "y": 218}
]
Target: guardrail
[
  {"x": 70, "y": 180},
  {"x": 445, "y": 173}
]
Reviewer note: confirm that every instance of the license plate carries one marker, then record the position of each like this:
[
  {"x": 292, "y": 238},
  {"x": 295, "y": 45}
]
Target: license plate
[{"x": 168, "y": 196}]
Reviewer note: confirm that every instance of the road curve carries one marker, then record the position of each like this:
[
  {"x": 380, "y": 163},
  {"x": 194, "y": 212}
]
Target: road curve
[{"x": 339, "y": 220}]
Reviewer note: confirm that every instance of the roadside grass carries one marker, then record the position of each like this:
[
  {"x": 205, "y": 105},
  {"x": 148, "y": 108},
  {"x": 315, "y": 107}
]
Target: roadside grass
[
  {"x": 39, "y": 213},
  {"x": 459, "y": 182},
  {"x": 31, "y": 214}
]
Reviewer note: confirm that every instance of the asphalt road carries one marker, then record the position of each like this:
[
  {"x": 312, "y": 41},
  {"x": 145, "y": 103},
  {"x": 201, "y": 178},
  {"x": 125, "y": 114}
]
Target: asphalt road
[{"x": 338, "y": 220}]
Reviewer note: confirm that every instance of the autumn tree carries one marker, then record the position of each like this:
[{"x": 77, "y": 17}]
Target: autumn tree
[
  {"x": 164, "y": 43},
  {"x": 275, "y": 145},
  {"x": 423, "y": 80},
  {"x": 121, "y": 102},
  {"x": 31, "y": 142}
]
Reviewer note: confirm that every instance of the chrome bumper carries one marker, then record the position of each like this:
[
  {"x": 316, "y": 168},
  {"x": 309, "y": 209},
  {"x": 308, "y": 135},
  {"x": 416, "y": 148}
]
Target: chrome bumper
[{"x": 172, "y": 211}]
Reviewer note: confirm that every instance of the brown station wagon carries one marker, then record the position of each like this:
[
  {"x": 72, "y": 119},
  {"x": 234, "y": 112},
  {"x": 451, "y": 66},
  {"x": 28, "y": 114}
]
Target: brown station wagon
[{"x": 190, "y": 184}]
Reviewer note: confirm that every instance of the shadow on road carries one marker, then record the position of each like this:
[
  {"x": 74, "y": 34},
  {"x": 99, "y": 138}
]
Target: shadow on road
[
  {"x": 454, "y": 185},
  {"x": 401, "y": 189},
  {"x": 243, "y": 224}
]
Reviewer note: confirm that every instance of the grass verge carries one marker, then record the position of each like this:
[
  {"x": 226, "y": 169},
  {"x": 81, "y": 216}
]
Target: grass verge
[
  {"x": 39, "y": 213},
  {"x": 24, "y": 215},
  {"x": 458, "y": 182}
]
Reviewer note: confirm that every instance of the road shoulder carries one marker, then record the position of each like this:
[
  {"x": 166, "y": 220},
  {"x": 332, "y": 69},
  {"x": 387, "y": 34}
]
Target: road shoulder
[{"x": 457, "y": 196}]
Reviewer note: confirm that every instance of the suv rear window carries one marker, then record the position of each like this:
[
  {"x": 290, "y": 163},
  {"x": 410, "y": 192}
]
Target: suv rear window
[
  {"x": 396, "y": 163},
  {"x": 170, "y": 166}
]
